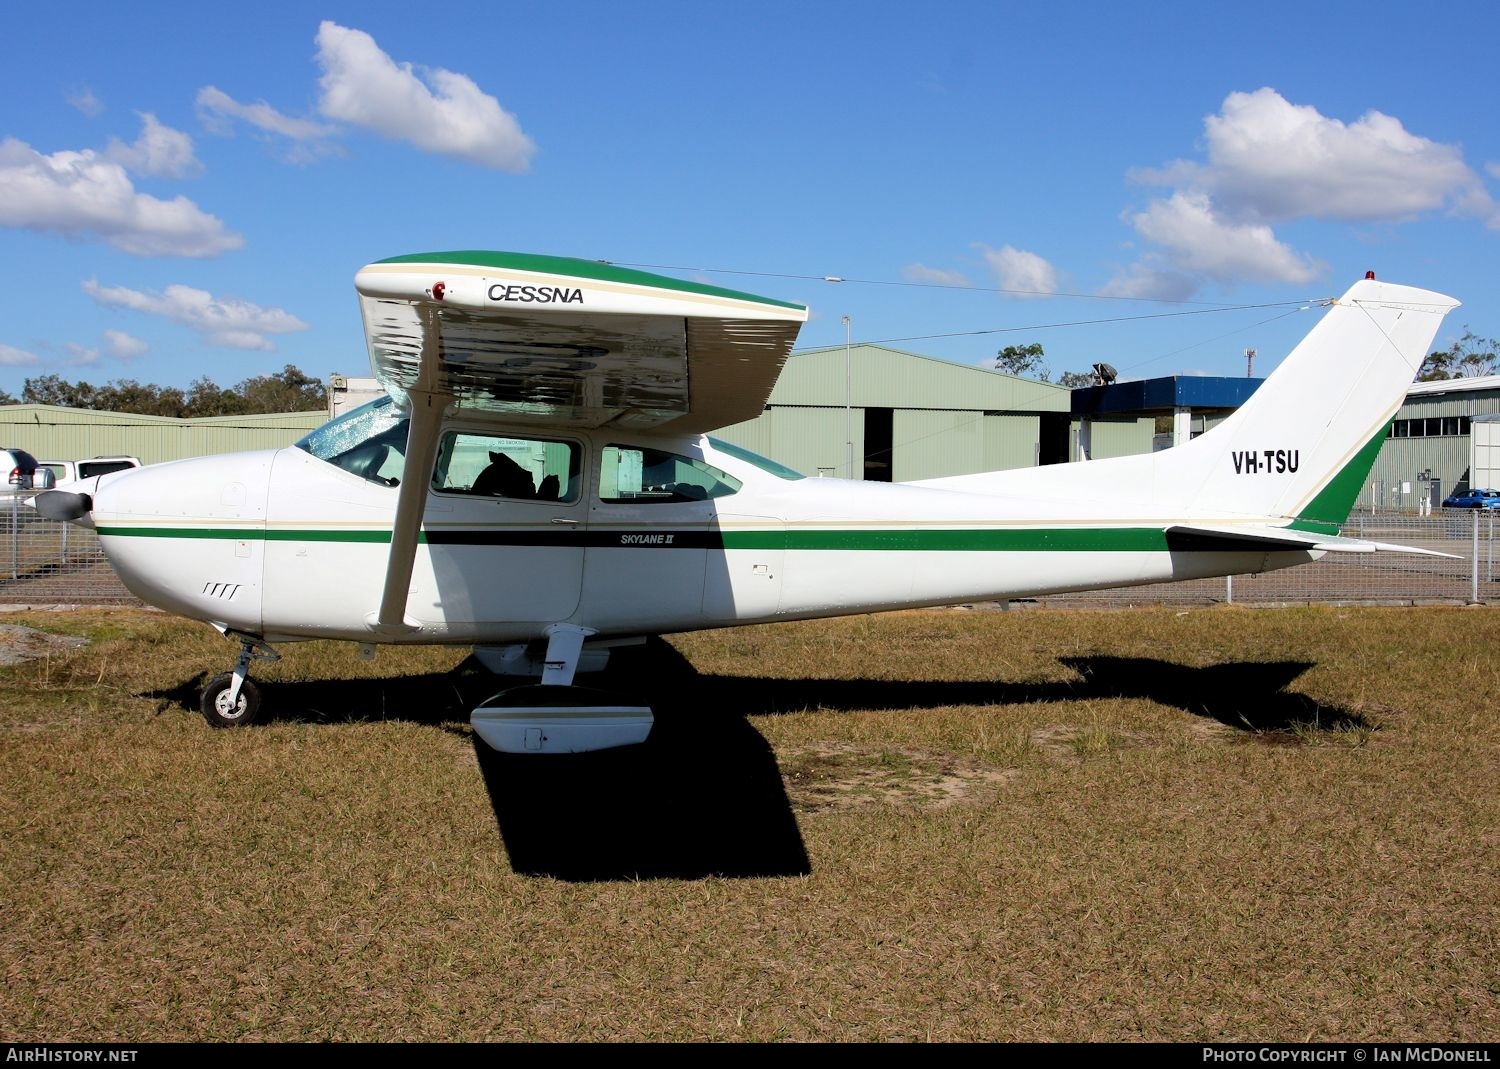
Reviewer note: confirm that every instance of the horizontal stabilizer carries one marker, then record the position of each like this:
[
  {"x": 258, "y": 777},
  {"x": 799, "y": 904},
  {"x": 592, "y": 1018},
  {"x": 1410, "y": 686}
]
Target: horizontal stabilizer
[{"x": 1241, "y": 538}]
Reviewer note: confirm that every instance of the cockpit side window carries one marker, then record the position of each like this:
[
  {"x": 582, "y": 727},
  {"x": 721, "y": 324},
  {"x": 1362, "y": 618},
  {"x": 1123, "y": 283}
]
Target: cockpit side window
[
  {"x": 527, "y": 469},
  {"x": 766, "y": 464},
  {"x": 369, "y": 442},
  {"x": 628, "y": 474}
]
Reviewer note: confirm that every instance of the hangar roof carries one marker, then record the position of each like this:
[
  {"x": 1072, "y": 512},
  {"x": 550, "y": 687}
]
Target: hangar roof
[{"x": 1147, "y": 396}]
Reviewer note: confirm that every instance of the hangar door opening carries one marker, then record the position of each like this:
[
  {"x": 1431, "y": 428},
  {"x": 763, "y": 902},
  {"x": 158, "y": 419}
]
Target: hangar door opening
[
  {"x": 878, "y": 437},
  {"x": 1053, "y": 435}
]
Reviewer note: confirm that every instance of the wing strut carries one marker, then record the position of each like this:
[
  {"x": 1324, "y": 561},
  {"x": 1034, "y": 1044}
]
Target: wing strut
[{"x": 427, "y": 406}]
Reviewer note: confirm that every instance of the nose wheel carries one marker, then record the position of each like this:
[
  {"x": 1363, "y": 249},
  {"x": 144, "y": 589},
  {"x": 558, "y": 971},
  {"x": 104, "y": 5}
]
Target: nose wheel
[
  {"x": 225, "y": 710},
  {"x": 230, "y": 699}
]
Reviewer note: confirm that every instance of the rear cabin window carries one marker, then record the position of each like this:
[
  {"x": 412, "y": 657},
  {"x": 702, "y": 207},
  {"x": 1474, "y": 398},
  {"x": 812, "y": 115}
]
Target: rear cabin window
[
  {"x": 524, "y": 469},
  {"x": 646, "y": 476},
  {"x": 87, "y": 469}
]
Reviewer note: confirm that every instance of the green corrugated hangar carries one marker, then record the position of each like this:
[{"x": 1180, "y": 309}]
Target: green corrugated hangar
[
  {"x": 48, "y": 432},
  {"x": 871, "y": 412},
  {"x": 1429, "y": 449}
]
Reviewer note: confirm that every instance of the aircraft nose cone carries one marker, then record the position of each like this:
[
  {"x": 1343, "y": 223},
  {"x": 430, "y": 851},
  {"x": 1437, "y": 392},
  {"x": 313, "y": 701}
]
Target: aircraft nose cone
[{"x": 62, "y": 505}]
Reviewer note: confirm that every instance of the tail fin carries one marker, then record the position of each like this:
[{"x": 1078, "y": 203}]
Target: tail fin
[
  {"x": 1304, "y": 443},
  {"x": 1299, "y": 449}
]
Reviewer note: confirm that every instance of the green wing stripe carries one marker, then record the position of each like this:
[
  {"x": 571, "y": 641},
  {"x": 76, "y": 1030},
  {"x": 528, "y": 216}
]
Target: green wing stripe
[{"x": 598, "y": 270}]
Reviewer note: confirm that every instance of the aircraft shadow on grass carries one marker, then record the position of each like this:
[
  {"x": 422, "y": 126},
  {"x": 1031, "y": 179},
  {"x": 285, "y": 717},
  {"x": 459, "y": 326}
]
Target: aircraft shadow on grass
[{"x": 704, "y": 795}]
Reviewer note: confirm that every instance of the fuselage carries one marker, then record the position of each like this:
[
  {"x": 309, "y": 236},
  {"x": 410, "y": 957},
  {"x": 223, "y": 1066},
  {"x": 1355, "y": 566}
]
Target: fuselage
[{"x": 621, "y": 535}]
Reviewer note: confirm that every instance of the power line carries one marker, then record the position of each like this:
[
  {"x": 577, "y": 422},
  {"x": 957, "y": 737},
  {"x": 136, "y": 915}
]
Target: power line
[
  {"x": 968, "y": 287},
  {"x": 1291, "y": 306}
]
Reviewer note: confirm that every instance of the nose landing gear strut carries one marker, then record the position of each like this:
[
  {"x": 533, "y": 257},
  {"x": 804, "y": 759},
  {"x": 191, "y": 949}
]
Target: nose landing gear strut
[{"x": 229, "y": 699}]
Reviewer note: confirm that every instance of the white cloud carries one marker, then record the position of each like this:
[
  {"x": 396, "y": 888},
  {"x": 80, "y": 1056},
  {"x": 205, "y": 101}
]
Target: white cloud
[
  {"x": 1151, "y": 282},
  {"x": 123, "y": 346},
  {"x": 1274, "y": 161},
  {"x": 934, "y": 276},
  {"x": 437, "y": 110},
  {"x": 214, "y": 105},
  {"x": 160, "y": 151},
  {"x": 10, "y": 356},
  {"x": 1021, "y": 274},
  {"x": 226, "y": 321},
  {"x": 1194, "y": 239},
  {"x": 80, "y": 194},
  {"x": 85, "y": 101},
  {"x": 80, "y": 356},
  {"x": 1270, "y": 161}
]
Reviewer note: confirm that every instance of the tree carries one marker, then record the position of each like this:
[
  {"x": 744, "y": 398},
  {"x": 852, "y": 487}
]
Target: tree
[
  {"x": 1467, "y": 358},
  {"x": 6, "y": 398},
  {"x": 1022, "y": 360},
  {"x": 54, "y": 390},
  {"x": 288, "y": 391},
  {"x": 206, "y": 398},
  {"x": 127, "y": 395},
  {"x": 1074, "y": 379}
]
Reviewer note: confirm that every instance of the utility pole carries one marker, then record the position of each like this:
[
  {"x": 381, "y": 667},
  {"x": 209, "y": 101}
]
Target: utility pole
[{"x": 1249, "y": 363}]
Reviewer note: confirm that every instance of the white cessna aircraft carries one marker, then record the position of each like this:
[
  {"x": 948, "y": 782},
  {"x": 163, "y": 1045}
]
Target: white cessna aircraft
[{"x": 539, "y": 484}]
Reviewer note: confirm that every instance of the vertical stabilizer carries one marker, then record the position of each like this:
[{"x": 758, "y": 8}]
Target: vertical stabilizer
[{"x": 1304, "y": 442}]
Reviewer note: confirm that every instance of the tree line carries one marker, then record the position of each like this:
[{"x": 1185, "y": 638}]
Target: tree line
[
  {"x": 1469, "y": 357},
  {"x": 289, "y": 390},
  {"x": 1466, "y": 358}
]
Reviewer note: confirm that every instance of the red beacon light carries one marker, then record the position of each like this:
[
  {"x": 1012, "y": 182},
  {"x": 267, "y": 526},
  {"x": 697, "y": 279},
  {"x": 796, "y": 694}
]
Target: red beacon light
[
  {"x": 1369, "y": 276},
  {"x": 438, "y": 289}
]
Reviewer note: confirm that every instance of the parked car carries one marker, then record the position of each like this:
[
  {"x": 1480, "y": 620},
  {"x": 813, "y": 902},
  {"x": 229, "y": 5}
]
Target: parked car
[
  {"x": 70, "y": 471},
  {"x": 22, "y": 472},
  {"x": 1473, "y": 499}
]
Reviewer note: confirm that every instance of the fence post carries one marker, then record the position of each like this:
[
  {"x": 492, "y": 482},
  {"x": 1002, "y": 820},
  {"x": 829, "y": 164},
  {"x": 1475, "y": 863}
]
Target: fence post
[
  {"x": 1474, "y": 567},
  {"x": 15, "y": 537},
  {"x": 1229, "y": 589},
  {"x": 1490, "y": 550}
]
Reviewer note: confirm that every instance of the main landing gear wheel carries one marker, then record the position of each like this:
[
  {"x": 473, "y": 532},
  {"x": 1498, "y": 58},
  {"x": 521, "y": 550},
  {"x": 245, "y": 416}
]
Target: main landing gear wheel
[{"x": 216, "y": 707}]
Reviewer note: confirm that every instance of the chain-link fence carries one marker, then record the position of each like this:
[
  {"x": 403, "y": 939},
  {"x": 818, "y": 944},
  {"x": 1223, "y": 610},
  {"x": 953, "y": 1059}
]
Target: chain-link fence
[
  {"x": 1467, "y": 572},
  {"x": 43, "y": 562}
]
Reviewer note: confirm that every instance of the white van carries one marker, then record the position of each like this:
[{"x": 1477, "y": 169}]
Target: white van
[{"x": 70, "y": 471}]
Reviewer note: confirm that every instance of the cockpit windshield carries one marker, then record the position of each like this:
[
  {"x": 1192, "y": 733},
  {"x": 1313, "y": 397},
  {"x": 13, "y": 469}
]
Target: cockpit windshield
[{"x": 369, "y": 442}]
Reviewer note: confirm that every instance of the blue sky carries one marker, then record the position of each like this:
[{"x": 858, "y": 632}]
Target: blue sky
[{"x": 189, "y": 189}]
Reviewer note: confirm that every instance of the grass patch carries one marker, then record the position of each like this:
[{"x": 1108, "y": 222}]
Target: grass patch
[{"x": 944, "y": 826}]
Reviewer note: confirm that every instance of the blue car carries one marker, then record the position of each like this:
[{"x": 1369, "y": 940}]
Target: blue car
[{"x": 1473, "y": 499}]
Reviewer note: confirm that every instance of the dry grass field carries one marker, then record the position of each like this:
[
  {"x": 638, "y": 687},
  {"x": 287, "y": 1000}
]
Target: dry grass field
[{"x": 1217, "y": 824}]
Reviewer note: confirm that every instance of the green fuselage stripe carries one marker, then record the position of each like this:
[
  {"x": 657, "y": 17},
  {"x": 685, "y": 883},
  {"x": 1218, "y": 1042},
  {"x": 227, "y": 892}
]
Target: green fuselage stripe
[{"x": 971, "y": 540}]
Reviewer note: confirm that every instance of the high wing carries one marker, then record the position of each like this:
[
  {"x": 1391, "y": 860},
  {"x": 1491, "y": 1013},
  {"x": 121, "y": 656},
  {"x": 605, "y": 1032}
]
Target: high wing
[
  {"x": 559, "y": 342},
  {"x": 575, "y": 343}
]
